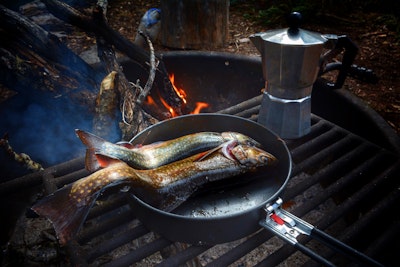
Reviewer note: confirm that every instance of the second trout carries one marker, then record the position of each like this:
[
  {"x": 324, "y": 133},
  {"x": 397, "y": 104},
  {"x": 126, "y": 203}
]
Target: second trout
[{"x": 156, "y": 154}]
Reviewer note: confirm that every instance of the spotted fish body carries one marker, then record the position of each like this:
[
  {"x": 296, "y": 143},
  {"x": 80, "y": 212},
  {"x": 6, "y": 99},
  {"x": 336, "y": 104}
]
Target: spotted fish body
[
  {"x": 83, "y": 190},
  {"x": 157, "y": 154},
  {"x": 215, "y": 166},
  {"x": 68, "y": 207}
]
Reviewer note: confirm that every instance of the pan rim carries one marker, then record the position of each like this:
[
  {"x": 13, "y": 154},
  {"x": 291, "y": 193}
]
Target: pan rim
[{"x": 219, "y": 216}]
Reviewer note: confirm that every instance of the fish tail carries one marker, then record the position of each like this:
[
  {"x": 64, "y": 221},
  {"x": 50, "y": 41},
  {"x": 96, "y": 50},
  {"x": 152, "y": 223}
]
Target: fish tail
[
  {"x": 94, "y": 145},
  {"x": 66, "y": 215}
]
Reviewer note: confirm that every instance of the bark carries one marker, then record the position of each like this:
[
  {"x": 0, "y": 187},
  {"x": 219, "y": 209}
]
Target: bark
[
  {"x": 32, "y": 58},
  {"x": 134, "y": 118},
  {"x": 194, "y": 24},
  {"x": 112, "y": 37}
]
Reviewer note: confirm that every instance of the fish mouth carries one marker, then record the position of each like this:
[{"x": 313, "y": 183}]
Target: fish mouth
[
  {"x": 247, "y": 155},
  {"x": 270, "y": 159}
]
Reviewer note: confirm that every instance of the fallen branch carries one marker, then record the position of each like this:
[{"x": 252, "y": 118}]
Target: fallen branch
[
  {"x": 36, "y": 57},
  {"x": 112, "y": 37},
  {"x": 20, "y": 157}
]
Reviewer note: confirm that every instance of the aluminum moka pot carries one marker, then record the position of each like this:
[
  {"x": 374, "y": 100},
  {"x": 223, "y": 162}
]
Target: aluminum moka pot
[{"x": 290, "y": 61}]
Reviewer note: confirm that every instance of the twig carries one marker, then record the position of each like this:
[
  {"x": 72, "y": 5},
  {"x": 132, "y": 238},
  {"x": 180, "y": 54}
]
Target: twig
[
  {"x": 136, "y": 53},
  {"x": 133, "y": 117},
  {"x": 19, "y": 157},
  {"x": 152, "y": 73}
]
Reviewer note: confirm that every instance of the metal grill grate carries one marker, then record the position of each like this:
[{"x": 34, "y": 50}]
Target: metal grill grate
[{"x": 341, "y": 183}]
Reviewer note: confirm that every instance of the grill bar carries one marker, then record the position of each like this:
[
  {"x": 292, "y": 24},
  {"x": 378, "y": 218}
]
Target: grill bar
[
  {"x": 114, "y": 220},
  {"x": 376, "y": 212},
  {"x": 120, "y": 240},
  {"x": 242, "y": 249},
  {"x": 183, "y": 256},
  {"x": 36, "y": 179},
  {"x": 140, "y": 253}
]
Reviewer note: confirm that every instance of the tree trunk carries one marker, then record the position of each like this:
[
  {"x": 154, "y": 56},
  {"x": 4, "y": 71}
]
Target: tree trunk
[{"x": 194, "y": 24}]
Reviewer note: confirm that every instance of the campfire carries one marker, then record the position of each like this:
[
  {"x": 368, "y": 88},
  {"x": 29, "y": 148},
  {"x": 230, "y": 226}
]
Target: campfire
[
  {"x": 159, "y": 103},
  {"x": 97, "y": 97}
]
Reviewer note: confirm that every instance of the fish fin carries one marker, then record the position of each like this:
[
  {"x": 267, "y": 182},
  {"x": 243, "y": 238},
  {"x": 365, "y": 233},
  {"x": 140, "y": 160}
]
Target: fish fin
[
  {"x": 126, "y": 144},
  {"x": 225, "y": 149},
  {"x": 90, "y": 140},
  {"x": 203, "y": 155},
  {"x": 91, "y": 163},
  {"x": 93, "y": 144},
  {"x": 66, "y": 215},
  {"x": 105, "y": 161}
]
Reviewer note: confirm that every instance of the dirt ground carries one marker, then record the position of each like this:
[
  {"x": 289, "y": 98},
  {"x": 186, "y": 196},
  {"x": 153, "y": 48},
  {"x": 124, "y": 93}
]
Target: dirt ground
[{"x": 379, "y": 49}]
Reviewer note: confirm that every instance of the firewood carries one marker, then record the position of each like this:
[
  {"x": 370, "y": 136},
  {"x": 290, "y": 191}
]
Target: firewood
[
  {"x": 106, "y": 107},
  {"x": 112, "y": 37},
  {"x": 134, "y": 118},
  {"x": 31, "y": 57},
  {"x": 36, "y": 57}
]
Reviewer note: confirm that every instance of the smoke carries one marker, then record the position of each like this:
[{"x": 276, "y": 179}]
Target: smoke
[{"x": 44, "y": 129}]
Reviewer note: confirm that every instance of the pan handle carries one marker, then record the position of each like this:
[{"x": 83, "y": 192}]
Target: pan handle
[{"x": 288, "y": 227}]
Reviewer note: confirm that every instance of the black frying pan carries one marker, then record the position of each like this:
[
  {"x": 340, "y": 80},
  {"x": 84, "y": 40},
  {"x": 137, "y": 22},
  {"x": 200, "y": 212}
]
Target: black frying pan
[
  {"x": 220, "y": 215},
  {"x": 234, "y": 211}
]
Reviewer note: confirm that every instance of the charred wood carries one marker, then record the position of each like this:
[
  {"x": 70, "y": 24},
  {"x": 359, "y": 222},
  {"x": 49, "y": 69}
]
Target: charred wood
[
  {"x": 112, "y": 37},
  {"x": 134, "y": 118},
  {"x": 106, "y": 107},
  {"x": 33, "y": 58}
]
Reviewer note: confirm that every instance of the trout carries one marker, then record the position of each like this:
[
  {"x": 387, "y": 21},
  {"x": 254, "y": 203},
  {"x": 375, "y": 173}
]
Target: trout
[
  {"x": 156, "y": 154},
  {"x": 68, "y": 207}
]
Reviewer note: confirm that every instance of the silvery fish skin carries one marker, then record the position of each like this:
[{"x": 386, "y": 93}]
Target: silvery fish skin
[
  {"x": 157, "y": 154},
  {"x": 68, "y": 207}
]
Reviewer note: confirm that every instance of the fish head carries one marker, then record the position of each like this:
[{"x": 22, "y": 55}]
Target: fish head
[
  {"x": 251, "y": 156},
  {"x": 240, "y": 138}
]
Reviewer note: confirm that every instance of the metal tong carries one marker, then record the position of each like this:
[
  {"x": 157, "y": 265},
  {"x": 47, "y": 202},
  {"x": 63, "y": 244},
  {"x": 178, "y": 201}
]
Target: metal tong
[{"x": 288, "y": 227}]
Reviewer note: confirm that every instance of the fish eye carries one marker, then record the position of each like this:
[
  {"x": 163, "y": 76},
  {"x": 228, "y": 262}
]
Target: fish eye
[{"x": 263, "y": 159}]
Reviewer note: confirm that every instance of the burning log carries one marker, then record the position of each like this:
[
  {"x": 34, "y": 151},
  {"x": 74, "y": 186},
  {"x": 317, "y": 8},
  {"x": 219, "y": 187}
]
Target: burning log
[
  {"x": 134, "y": 118},
  {"x": 31, "y": 58},
  {"x": 112, "y": 37}
]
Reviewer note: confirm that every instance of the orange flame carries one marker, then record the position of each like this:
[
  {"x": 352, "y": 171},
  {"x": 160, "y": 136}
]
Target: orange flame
[
  {"x": 150, "y": 101},
  {"x": 179, "y": 91},
  {"x": 170, "y": 109},
  {"x": 199, "y": 107},
  {"x": 182, "y": 94}
]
